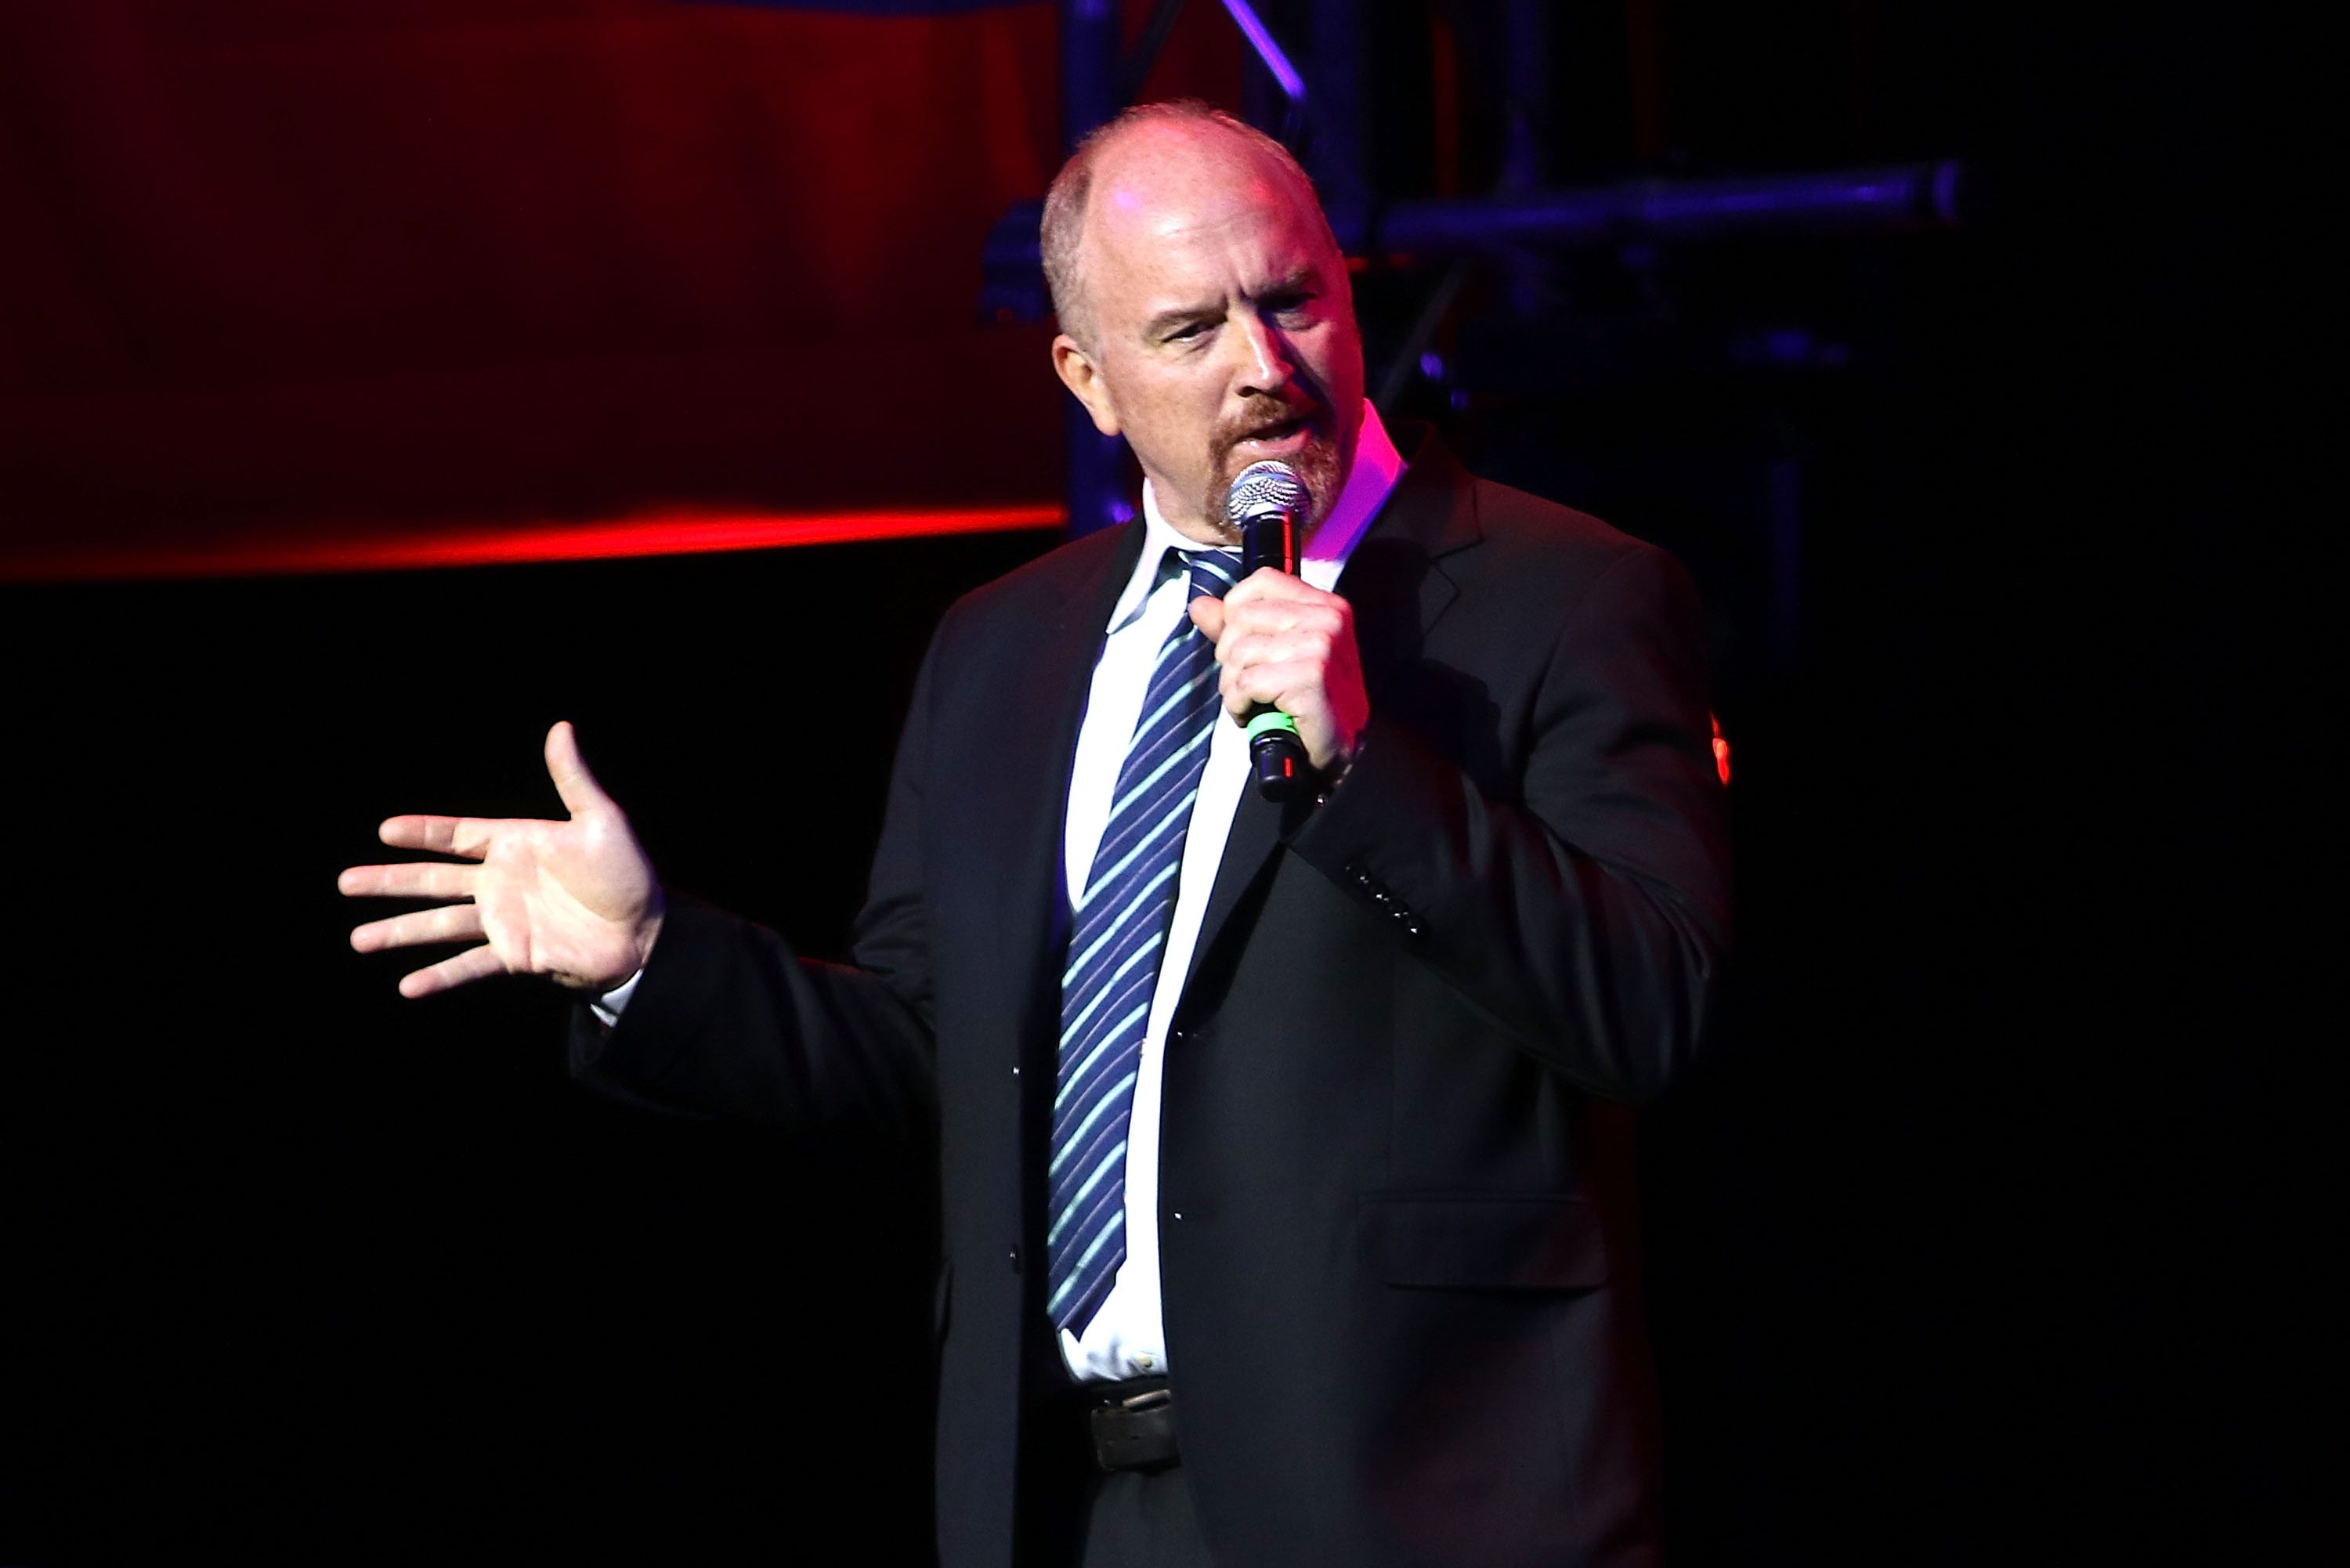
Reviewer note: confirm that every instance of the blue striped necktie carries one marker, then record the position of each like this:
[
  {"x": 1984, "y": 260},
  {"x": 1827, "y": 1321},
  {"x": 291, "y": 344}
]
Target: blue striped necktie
[{"x": 1112, "y": 974}]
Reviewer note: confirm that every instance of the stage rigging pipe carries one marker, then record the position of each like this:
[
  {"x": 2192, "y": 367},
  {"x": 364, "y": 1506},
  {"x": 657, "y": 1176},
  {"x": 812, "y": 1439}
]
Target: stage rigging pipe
[
  {"x": 1843, "y": 200},
  {"x": 1276, "y": 65},
  {"x": 1913, "y": 195}
]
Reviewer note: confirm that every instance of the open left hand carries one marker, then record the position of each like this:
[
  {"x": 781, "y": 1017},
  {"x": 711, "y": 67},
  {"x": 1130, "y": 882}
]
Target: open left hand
[
  {"x": 1285, "y": 642},
  {"x": 575, "y": 900}
]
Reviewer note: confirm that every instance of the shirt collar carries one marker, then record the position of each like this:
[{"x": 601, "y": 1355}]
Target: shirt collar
[{"x": 1377, "y": 466}]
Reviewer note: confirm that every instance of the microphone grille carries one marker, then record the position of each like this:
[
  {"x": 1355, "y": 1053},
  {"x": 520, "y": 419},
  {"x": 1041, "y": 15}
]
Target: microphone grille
[{"x": 1262, "y": 487}]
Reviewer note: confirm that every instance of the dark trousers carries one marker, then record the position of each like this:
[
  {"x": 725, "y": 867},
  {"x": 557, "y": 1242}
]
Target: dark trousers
[
  {"x": 1071, "y": 1515},
  {"x": 1138, "y": 1518}
]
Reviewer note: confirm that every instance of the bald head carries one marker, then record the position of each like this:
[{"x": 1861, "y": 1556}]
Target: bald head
[
  {"x": 1151, "y": 159},
  {"x": 1206, "y": 314}
]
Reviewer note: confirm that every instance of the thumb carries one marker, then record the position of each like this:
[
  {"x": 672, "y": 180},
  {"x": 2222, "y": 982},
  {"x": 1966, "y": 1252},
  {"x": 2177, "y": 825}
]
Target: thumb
[
  {"x": 568, "y": 769},
  {"x": 1208, "y": 615}
]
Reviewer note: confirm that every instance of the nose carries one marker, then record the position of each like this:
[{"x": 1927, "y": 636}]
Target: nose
[{"x": 1266, "y": 366}]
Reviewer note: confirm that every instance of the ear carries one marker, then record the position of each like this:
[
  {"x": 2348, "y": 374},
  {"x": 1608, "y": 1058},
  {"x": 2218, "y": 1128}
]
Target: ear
[{"x": 1083, "y": 376}]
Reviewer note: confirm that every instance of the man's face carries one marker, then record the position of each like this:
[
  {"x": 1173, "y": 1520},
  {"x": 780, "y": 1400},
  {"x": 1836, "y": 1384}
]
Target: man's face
[{"x": 1222, "y": 323}]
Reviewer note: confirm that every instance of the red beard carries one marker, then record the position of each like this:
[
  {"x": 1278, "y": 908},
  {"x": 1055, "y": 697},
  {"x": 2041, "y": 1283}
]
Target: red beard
[{"x": 1319, "y": 465}]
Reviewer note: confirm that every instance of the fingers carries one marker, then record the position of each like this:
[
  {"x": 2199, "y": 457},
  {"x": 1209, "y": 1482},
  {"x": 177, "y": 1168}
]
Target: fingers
[
  {"x": 568, "y": 769},
  {"x": 1268, "y": 634},
  {"x": 471, "y": 835},
  {"x": 1260, "y": 671},
  {"x": 1244, "y": 647},
  {"x": 1285, "y": 643},
  {"x": 1292, "y": 686},
  {"x": 412, "y": 879},
  {"x": 468, "y": 835},
  {"x": 1267, "y": 585},
  {"x": 449, "y": 923},
  {"x": 472, "y": 964},
  {"x": 1270, "y": 599},
  {"x": 1280, "y": 611}
]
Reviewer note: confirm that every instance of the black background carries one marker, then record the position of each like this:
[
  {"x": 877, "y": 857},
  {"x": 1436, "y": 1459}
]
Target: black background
[{"x": 1973, "y": 1241}]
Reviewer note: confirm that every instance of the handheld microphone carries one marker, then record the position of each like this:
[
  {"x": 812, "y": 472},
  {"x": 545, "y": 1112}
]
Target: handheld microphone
[{"x": 1267, "y": 504}]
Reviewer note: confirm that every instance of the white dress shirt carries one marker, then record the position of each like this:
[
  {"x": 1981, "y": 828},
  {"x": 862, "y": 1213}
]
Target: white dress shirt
[{"x": 1128, "y": 1337}]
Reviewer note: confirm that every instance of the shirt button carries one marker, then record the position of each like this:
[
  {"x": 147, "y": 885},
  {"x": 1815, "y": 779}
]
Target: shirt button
[
  {"x": 1146, "y": 1362},
  {"x": 1016, "y": 1069},
  {"x": 1016, "y": 1260}
]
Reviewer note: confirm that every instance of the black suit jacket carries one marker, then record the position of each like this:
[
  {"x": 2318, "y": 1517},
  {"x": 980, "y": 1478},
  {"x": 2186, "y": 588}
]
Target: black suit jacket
[{"x": 1396, "y": 1329}]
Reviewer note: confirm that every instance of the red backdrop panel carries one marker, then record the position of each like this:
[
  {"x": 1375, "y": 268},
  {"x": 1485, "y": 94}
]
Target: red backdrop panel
[{"x": 275, "y": 267}]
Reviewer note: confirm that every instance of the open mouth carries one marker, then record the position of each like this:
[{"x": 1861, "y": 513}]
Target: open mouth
[{"x": 1288, "y": 436}]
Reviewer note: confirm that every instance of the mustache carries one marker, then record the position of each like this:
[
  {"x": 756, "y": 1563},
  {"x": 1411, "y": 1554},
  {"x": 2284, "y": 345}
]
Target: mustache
[{"x": 1230, "y": 436}]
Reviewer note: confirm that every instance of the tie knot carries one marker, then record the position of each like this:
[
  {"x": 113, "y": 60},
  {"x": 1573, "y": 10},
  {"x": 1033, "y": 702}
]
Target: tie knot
[{"x": 1213, "y": 572}]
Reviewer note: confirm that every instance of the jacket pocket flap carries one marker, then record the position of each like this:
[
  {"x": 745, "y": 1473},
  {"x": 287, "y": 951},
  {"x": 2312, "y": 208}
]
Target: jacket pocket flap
[{"x": 1503, "y": 1242}]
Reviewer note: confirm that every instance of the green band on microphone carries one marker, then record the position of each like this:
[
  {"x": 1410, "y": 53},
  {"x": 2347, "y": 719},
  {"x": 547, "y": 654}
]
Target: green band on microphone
[{"x": 1266, "y": 724}]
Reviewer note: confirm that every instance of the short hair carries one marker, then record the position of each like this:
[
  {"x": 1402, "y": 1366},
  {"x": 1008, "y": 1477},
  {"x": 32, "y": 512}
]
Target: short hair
[{"x": 1063, "y": 230}]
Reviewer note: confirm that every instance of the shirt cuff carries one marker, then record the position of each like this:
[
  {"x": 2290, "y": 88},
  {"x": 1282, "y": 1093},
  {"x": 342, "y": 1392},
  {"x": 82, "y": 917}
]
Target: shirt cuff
[{"x": 608, "y": 1006}]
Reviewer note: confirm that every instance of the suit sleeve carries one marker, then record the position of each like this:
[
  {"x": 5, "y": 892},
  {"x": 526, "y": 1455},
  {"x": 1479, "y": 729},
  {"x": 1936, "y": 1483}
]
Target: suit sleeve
[
  {"x": 730, "y": 1022},
  {"x": 1587, "y": 915}
]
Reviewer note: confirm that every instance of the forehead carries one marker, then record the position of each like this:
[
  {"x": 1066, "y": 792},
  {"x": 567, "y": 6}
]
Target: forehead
[{"x": 1183, "y": 207}]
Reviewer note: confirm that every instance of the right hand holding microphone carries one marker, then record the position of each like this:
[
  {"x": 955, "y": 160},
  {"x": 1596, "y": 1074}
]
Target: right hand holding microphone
[
  {"x": 575, "y": 900},
  {"x": 1285, "y": 643}
]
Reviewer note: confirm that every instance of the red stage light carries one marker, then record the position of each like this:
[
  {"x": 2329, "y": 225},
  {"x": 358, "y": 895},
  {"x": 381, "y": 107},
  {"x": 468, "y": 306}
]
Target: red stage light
[{"x": 387, "y": 549}]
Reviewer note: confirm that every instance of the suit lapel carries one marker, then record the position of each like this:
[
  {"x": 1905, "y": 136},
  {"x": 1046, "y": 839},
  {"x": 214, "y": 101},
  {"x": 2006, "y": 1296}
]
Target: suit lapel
[
  {"x": 1257, "y": 831},
  {"x": 1045, "y": 670},
  {"x": 1397, "y": 590}
]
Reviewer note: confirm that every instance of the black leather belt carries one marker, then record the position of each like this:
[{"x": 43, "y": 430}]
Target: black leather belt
[{"x": 1133, "y": 1425}]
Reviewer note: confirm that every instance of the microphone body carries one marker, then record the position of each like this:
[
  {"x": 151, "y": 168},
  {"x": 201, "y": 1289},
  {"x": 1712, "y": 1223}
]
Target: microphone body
[{"x": 1268, "y": 505}]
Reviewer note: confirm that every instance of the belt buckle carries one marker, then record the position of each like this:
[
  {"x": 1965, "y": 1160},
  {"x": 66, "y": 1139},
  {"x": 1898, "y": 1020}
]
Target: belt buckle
[{"x": 1136, "y": 1433}]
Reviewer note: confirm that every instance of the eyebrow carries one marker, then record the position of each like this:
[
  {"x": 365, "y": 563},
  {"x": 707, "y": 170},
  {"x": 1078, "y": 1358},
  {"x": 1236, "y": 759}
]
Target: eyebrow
[
  {"x": 1167, "y": 321},
  {"x": 1299, "y": 280}
]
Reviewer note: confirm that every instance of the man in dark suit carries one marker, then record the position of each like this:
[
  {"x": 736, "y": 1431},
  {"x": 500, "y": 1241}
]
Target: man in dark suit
[{"x": 1276, "y": 1227}]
